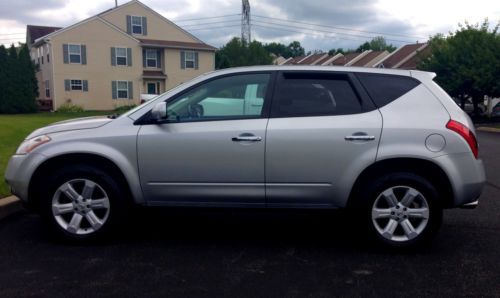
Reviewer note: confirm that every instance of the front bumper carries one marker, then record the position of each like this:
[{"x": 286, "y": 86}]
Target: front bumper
[{"x": 19, "y": 171}]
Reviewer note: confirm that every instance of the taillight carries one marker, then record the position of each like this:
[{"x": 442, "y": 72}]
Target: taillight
[{"x": 466, "y": 133}]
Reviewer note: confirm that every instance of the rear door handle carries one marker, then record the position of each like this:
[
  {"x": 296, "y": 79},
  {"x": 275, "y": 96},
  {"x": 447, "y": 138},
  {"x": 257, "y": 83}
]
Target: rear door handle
[
  {"x": 359, "y": 138},
  {"x": 246, "y": 139}
]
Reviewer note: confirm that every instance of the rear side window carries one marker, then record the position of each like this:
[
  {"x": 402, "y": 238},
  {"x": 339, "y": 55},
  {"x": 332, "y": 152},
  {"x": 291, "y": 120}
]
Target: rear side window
[
  {"x": 302, "y": 95},
  {"x": 384, "y": 89}
]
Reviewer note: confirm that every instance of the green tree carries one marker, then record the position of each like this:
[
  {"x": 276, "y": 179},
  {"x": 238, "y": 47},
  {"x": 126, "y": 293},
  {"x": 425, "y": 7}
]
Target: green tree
[
  {"x": 18, "y": 81},
  {"x": 466, "y": 62},
  {"x": 278, "y": 49},
  {"x": 236, "y": 53},
  {"x": 296, "y": 49},
  {"x": 336, "y": 51},
  {"x": 28, "y": 80},
  {"x": 376, "y": 44},
  {"x": 3, "y": 77}
]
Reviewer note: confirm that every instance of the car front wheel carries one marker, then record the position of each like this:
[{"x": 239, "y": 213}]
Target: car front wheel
[{"x": 82, "y": 202}]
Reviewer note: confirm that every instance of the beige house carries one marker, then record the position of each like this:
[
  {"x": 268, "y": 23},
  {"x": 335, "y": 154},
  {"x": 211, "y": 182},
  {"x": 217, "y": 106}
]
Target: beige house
[{"x": 111, "y": 59}]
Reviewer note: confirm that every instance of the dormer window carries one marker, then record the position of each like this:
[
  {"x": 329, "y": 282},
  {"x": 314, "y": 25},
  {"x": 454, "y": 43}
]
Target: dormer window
[{"x": 137, "y": 25}]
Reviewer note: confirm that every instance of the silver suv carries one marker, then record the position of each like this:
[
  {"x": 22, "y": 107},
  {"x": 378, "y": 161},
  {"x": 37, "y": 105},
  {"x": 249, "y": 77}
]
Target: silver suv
[{"x": 389, "y": 144}]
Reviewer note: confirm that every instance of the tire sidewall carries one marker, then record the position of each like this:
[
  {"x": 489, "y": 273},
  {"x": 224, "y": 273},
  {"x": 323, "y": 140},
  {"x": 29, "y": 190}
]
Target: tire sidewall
[
  {"x": 110, "y": 186},
  {"x": 374, "y": 189}
]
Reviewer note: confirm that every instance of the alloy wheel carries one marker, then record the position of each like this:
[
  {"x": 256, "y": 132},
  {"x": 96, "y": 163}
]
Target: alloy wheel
[
  {"x": 400, "y": 213},
  {"x": 80, "y": 206}
]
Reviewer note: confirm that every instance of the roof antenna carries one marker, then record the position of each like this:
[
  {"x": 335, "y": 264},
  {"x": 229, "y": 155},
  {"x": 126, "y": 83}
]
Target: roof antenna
[{"x": 116, "y": 3}]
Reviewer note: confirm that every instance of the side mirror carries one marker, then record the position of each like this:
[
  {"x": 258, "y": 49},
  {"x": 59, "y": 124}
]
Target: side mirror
[{"x": 159, "y": 112}]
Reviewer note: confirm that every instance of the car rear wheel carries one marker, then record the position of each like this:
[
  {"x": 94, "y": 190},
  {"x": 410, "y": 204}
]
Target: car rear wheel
[
  {"x": 402, "y": 210},
  {"x": 82, "y": 203}
]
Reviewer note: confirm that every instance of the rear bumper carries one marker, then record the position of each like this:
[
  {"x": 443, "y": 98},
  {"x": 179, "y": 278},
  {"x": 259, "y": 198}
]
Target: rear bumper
[
  {"x": 467, "y": 177},
  {"x": 471, "y": 205}
]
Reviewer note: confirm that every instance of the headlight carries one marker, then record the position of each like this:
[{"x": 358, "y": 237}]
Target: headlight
[{"x": 30, "y": 145}]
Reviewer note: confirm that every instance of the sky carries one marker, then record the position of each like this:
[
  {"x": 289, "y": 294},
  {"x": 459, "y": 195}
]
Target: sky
[{"x": 317, "y": 24}]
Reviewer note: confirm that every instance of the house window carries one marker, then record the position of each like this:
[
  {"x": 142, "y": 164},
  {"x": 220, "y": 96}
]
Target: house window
[
  {"x": 189, "y": 59},
  {"x": 136, "y": 25},
  {"x": 122, "y": 89},
  {"x": 76, "y": 85},
  {"x": 75, "y": 53},
  {"x": 48, "y": 58},
  {"x": 47, "y": 89},
  {"x": 152, "y": 58},
  {"x": 121, "y": 56}
]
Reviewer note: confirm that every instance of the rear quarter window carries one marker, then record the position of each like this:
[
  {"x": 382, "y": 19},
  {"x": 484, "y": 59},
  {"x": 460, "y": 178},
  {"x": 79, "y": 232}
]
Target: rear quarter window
[{"x": 384, "y": 89}]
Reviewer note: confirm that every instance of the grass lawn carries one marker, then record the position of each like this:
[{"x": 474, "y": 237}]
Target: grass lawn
[{"x": 14, "y": 128}]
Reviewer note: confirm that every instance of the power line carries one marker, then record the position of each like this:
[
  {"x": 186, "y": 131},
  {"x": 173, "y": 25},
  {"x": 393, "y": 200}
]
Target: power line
[
  {"x": 330, "y": 32},
  {"x": 201, "y": 24},
  {"x": 339, "y": 28},
  {"x": 2, "y": 34},
  {"x": 330, "y": 35},
  {"x": 216, "y": 17},
  {"x": 210, "y": 28},
  {"x": 13, "y": 39}
]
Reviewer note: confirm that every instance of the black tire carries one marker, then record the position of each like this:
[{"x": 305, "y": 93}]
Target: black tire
[
  {"x": 399, "y": 183},
  {"x": 118, "y": 201}
]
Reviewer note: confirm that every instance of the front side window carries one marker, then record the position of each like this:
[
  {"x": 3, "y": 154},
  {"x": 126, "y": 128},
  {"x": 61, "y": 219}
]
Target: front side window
[
  {"x": 235, "y": 97},
  {"x": 76, "y": 85},
  {"x": 308, "y": 94},
  {"x": 122, "y": 89},
  {"x": 136, "y": 25},
  {"x": 75, "y": 53},
  {"x": 152, "y": 58},
  {"x": 121, "y": 56},
  {"x": 189, "y": 59}
]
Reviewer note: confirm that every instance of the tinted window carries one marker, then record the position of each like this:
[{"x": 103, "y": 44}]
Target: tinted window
[
  {"x": 384, "y": 89},
  {"x": 314, "y": 95},
  {"x": 233, "y": 97}
]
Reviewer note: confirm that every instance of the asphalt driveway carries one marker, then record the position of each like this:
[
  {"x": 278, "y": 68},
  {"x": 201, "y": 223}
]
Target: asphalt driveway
[{"x": 236, "y": 253}]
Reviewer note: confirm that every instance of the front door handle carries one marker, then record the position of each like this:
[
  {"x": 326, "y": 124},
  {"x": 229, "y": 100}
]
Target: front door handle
[
  {"x": 245, "y": 138},
  {"x": 359, "y": 138}
]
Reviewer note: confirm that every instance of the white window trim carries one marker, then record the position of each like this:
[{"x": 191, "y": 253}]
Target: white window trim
[
  {"x": 69, "y": 53},
  {"x": 71, "y": 85},
  {"x": 132, "y": 25},
  {"x": 116, "y": 56},
  {"x": 155, "y": 59},
  {"x": 118, "y": 90},
  {"x": 190, "y": 60}
]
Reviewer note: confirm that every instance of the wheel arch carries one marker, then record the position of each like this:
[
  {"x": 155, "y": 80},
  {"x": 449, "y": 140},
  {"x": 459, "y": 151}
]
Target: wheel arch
[
  {"x": 55, "y": 162},
  {"x": 422, "y": 167}
]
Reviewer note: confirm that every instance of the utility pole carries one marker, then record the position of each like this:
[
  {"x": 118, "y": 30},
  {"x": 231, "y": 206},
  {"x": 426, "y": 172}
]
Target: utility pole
[{"x": 245, "y": 22}]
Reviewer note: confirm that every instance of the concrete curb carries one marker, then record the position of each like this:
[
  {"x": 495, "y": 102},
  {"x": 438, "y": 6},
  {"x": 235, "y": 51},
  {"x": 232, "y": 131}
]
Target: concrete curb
[
  {"x": 9, "y": 206},
  {"x": 488, "y": 129}
]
